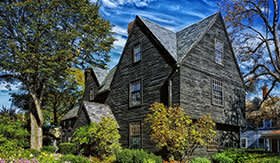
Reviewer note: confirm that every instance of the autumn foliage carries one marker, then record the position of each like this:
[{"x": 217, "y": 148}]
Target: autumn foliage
[{"x": 172, "y": 129}]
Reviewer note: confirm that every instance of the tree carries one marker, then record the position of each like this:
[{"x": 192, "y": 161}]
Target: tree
[
  {"x": 62, "y": 96},
  {"x": 254, "y": 30},
  {"x": 41, "y": 40},
  {"x": 172, "y": 129}
]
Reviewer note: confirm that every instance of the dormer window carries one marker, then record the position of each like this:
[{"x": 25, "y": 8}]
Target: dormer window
[
  {"x": 136, "y": 53},
  {"x": 91, "y": 94},
  {"x": 219, "y": 50}
]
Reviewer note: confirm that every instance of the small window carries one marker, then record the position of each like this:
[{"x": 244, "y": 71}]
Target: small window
[
  {"x": 261, "y": 143},
  {"x": 69, "y": 123},
  {"x": 135, "y": 93},
  {"x": 137, "y": 53},
  {"x": 219, "y": 49},
  {"x": 170, "y": 92},
  {"x": 91, "y": 94},
  {"x": 260, "y": 124},
  {"x": 268, "y": 123},
  {"x": 243, "y": 143},
  {"x": 135, "y": 137},
  {"x": 217, "y": 93},
  {"x": 274, "y": 122}
]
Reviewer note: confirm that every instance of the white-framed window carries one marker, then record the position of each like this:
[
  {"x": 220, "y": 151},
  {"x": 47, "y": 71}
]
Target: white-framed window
[
  {"x": 243, "y": 143},
  {"x": 217, "y": 92},
  {"x": 219, "y": 51},
  {"x": 91, "y": 94},
  {"x": 135, "y": 135},
  {"x": 135, "y": 93},
  {"x": 137, "y": 53}
]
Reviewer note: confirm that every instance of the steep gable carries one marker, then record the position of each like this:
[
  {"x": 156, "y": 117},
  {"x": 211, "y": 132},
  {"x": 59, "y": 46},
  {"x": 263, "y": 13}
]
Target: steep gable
[
  {"x": 100, "y": 74},
  {"x": 189, "y": 36},
  {"x": 166, "y": 37}
]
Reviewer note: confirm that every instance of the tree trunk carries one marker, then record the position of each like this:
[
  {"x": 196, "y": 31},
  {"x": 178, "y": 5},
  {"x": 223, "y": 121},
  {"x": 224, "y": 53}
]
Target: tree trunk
[
  {"x": 36, "y": 138},
  {"x": 36, "y": 119}
]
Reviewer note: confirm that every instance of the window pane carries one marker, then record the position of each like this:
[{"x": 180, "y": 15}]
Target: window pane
[
  {"x": 219, "y": 51},
  {"x": 135, "y": 135},
  {"x": 137, "y": 53},
  {"x": 135, "y": 86},
  {"x": 136, "y": 98},
  {"x": 217, "y": 92}
]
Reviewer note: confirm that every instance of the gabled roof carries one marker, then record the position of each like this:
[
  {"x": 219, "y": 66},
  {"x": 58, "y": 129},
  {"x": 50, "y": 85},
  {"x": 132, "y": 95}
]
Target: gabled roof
[
  {"x": 100, "y": 74},
  {"x": 71, "y": 113},
  {"x": 105, "y": 86},
  {"x": 187, "y": 37},
  {"x": 97, "y": 111},
  {"x": 178, "y": 44},
  {"x": 166, "y": 37}
]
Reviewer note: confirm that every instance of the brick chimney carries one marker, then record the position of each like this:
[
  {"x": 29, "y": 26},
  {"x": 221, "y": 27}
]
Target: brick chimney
[
  {"x": 265, "y": 90},
  {"x": 87, "y": 74},
  {"x": 130, "y": 25}
]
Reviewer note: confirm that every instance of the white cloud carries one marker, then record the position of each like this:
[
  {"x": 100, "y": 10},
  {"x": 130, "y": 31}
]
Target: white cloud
[
  {"x": 109, "y": 3},
  {"x": 13, "y": 86},
  {"x": 119, "y": 42},
  {"x": 119, "y": 30},
  {"x": 210, "y": 3},
  {"x": 117, "y": 3},
  {"x": 200, "y": 15}
]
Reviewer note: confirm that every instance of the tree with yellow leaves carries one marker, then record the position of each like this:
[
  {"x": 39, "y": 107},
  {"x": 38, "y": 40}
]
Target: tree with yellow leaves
[{"x": 172, "y": 129}]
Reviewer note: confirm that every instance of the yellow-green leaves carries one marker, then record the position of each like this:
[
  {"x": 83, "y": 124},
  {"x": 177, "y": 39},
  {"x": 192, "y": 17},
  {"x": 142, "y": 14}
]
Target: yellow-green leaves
[
  {"x": 171, "y": 128},
  {"x": 103, "y": 138}
]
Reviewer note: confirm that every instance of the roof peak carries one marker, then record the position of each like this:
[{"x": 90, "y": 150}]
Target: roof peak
[{"x": 178, "y": 44}]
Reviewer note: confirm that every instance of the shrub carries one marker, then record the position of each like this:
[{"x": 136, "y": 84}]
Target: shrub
[
  {"x": 200, "y": 160},
  {"x": 221, "y": 158},
  {"x": 100, "y": 139},
  {"x": 125, "y": 156},
  {"x": 265, "y": 160},
  {"x": 48, "y": 158},
  {"x": 74, "y": 159},
  {"x": 136, "y": 156},
  {"x": 48, "y": 149},
  {"x": 170, "y": 124},
  {"x": 67, "y": 148},
  {"x": 34, "y": 152},
  {"x": 241, "y": 155}
]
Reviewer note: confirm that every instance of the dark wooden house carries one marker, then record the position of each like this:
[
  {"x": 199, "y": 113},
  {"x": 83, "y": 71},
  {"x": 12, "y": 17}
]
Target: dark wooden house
[{"x": 195, "y": 68}]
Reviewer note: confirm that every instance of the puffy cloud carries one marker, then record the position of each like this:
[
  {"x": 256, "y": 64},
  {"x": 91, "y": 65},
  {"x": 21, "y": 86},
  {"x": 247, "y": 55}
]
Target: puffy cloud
[{"x": 119, "y": 30}]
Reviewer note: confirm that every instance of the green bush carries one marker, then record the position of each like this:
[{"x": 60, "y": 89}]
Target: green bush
[
  {"x": 100, "y": 140},
  {"x": 74, "y": 159},
  {"x": 221, "y": 158},
  {"x": 125, "y": 156},
  {"x": 34, "y": 152},
  {"x": 266, "y": 160},
  {"x": 136, "y": 156},
  {"x": 67, "y": 148},
  {"x": 200, "y": 160},
  {"x": 48, "y": 149},
  {"x": 241, "y": 155}
]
